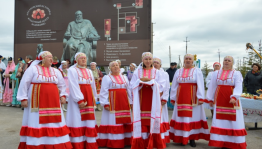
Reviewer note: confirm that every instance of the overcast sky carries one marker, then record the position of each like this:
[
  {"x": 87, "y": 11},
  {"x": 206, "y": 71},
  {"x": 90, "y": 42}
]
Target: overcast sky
[{"x": 209, "y": 25}]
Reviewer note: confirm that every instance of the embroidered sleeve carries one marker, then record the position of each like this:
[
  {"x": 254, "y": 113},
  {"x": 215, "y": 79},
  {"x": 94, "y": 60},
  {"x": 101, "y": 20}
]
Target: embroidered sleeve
[
  {"x": 74, "y": 88},
  {"x": 61, "y": 83},
  {"x": 238, "y": 80},
  {"x": 104, "y": 93},
  {"x": 174, "y": 88},
  {"x": 212, "y": 87},
  {"x": 93, "y": 84},
  {"x": 161, "y": 80},
  {"x": 200, "y": 84}
]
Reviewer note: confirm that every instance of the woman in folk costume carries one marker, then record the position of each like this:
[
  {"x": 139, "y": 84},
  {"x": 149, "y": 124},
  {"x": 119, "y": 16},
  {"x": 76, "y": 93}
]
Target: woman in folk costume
[
  {"x": 8, "y": 92},
  {"x": 224, "y": 90},
  {"x": 147, "y": 85},
  {"x": 131, "y": 71},
  {"x": 122, "y": 70},
  {"x": 115, "y": 97},
  {"x": 97, "y": 75},
  {"x": 187, "y": 93},
  {"x": 80, "y": 117},
  {"x": 216, "y": 67},
  {"x": 2, "y": 70},
  {"x": 41, "y": 92},
  {"x": 16, "y": 76},
  {"x": 63, "y": 69},
  {"x": 164, "y": 98}
]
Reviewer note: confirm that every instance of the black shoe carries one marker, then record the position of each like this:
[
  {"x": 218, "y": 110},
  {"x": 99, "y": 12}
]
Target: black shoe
[
  {"x": 192, "y": 143},
  {"x": 22, "y": 108}
]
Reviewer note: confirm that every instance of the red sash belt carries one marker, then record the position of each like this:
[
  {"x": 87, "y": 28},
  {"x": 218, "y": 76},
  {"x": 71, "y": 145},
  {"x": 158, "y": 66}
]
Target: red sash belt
[
  {"x": 146, "y": 94},
  {"x": 186, "y": 99},
  {"x": 224, "y": 109},
  {"x": 119, "y": 105},
  {"x": 87, "y": 113},
  {"x": 45, "y": 100}
]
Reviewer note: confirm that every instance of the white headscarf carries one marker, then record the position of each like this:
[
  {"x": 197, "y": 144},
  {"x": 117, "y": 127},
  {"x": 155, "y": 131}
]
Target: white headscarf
[
  {"x": 77, "y": 56},
  {"x": 93, "y": 63},
  {"x": 144, "y": 55},
  {"x": 133, "y": 64},
  {"x": 62, "y": 63},
  {"x": 157, "y": 59},
  {"x": 40, "y": 57}
]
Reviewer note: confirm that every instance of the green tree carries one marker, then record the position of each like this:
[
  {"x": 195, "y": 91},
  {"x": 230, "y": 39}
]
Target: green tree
[{"x": 205, "y": 69}]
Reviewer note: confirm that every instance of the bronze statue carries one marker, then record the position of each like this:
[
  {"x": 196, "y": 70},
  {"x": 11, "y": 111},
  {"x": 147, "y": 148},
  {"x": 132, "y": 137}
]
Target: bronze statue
[
  {"x": 39, "y": 49},
  {"x": 80, "y": 36}
]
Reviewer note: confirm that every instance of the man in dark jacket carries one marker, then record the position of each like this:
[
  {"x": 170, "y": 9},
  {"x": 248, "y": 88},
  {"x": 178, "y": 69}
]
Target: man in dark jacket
[
  {"x": 253, "y": 79},
  {"x": 171, "y": 71}
]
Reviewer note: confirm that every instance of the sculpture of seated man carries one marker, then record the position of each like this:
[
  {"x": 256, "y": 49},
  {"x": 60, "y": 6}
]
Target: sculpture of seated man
[{"x": 79, "y": 37}]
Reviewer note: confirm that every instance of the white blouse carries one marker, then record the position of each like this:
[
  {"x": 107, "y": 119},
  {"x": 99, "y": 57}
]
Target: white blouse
[
  {"x": 109, "y": 82},
  {"x": 76, "y": 77},
  {"x": 155, "y": 74},
  {"x": 195, "y": 75},
  {"x": 35, "y": 74},
  {"x": 234, "y": 78}
]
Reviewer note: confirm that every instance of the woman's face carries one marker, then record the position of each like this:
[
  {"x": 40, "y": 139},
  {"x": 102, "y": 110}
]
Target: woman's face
[
  {"x": 9, "y": 63},
  {"x": 93, "y": 66},
  {"x": 148, "y": 61},
  {"x": 255, "y": 68},
  {"x": 64, "y": 66},
  {"x": 132, "y": 68},
  {"x": 119, "y": 63},
  {"x": 188, "y": 62},
  {"x": 157, "y": 65},
  {"x": 217, "y": 67},
  {"x": 115, "y": 68},
  {"x": 82, "y": 61},
  {"x": 227, "y": 63},
  {"x": 48, "y": 60}
]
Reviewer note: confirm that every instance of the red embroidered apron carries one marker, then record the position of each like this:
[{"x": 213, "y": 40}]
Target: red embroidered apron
[
  {"x": 224, "y": 109},
  {"x": 45, "y": 99},
  {"x": 119, "y": 105},
  {"x": 87, "y": 113},
  {"x": 186, "y": 99}
]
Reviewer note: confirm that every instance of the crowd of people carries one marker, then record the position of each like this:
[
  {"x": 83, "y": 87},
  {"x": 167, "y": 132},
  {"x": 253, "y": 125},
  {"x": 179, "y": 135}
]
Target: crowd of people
[{"x": 135, "y": 109}]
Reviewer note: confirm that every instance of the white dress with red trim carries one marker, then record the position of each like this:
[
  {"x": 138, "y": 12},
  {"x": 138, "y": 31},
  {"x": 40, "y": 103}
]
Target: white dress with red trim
[
  {"x": 115, "y": 130},
  {"x": 228, "y": 127},
  {"x": 189, "y": 119},
  {"x": 43, "y": 123},
  {"x": 147, "y": 132},
  {"x": 164, "y": 115},
  {"x": 81, "y": 122}
]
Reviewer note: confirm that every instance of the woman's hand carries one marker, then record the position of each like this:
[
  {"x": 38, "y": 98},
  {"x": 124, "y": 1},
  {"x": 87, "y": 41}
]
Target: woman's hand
[
  {"x": 107, "y": 108},
  {"x": 163, "y": 103},
  {"x": 20, "y": 69},
  {"x": 161, "y": 94},
  {"x": 145, "y": 79},
  {"x": 7, "y": 75},
  {"x": 211, "y": 104},
  {"x": 24, "y": 104},
  {"x": 232, "y": 100},
  {"x": 63, "y": 100},
  {"x": 81, "y": 105},
  {"x": 200, "y": 102}
]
